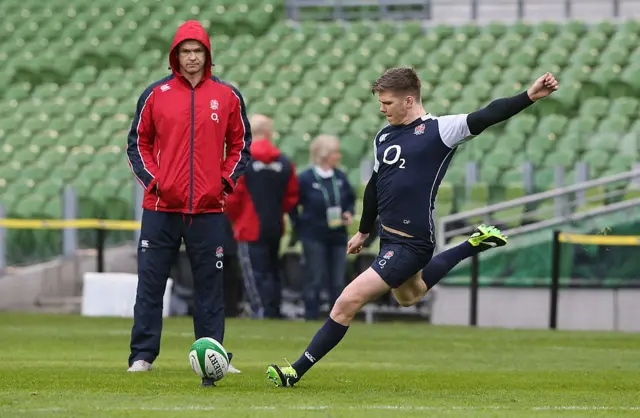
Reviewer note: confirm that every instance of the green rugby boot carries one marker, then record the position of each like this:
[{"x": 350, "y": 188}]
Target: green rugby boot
[
  {"x": 486, "y": 237},
  {"x": 285, "y": 376}
]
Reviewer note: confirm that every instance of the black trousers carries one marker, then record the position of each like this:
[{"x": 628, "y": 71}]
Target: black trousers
[
  {"x": 261, "y": 275},
  {"x": 160, "y": 238},
  {"x": 232, "y": 285}
]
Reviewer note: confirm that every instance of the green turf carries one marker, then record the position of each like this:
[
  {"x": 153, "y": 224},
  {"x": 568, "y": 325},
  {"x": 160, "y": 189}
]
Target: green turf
[{"x": 69, "y": 366}]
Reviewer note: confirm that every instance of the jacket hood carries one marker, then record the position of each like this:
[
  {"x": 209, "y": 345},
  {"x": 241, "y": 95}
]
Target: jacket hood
[
  {"x": 190, "y": 30},
  {"x": 264, "y": 150}
]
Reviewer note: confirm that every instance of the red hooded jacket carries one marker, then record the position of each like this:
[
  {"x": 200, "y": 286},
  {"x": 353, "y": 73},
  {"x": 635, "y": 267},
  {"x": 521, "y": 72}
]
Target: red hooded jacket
[
  {"x": 176, "y": 145},
  {"x": 267, "y": 191}
]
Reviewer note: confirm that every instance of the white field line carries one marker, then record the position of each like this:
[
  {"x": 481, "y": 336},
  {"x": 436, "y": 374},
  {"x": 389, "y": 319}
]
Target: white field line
[{"x": 338, "y": 408}]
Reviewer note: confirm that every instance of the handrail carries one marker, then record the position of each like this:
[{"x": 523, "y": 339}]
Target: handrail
[
  {"x": 572, "y": 217},
  {"x": 541, "y": 196},
  {"x": 576, "y": 216}
]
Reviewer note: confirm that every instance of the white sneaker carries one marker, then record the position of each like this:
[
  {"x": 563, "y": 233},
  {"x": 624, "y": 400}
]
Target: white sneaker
[
  {"x": 232, "y": 369},
  {"x": 140, "y": 366}
]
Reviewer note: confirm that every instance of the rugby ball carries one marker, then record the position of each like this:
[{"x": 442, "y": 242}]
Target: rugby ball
[{"x": 209, "y": 359}]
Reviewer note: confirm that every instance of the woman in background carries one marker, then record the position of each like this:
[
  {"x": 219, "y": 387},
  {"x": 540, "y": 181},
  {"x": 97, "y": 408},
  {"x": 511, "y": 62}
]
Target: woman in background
[{"x": 327, "y": 200}]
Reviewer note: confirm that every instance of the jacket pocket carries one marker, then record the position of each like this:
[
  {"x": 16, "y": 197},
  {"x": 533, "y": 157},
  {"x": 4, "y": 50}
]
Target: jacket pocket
[
  {"x": 171, "y": 197},
  {"x": 213, "y": 196}
]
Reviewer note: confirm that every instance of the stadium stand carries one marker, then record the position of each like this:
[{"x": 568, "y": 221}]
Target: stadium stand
[{"x": 73, "y": 72}]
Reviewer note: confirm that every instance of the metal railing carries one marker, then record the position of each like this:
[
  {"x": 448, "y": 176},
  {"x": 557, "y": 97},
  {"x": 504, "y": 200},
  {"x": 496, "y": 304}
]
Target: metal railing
[{"x": 563, "y": 209}]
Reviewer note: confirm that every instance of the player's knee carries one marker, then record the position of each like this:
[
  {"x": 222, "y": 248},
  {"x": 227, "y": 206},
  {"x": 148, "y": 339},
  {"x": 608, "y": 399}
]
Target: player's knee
[
  {"x": 409, "y": 300},
  {"x": 412, "y": 298},
  {"x": 346, "y": 307}
]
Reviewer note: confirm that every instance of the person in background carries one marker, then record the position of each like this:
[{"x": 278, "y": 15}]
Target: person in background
[
  {"x": 267, "y": 191},
  {"x": 327, "y": 200}
]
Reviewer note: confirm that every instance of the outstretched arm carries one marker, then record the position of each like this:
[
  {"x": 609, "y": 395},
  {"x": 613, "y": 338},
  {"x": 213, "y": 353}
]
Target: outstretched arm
[{"x": 454, "y": 129}]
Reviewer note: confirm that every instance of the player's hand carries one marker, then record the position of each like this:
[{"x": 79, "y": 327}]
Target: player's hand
[
  {"x": 347, "y": 218},
  {"x": 355, "y": 244},
  {"x": 543, "y": 87},
  {"x": 226, "y": 187}
]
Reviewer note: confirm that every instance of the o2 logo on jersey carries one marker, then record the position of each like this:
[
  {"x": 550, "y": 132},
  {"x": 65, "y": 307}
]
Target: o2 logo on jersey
[{"x": 394, "y": 157}]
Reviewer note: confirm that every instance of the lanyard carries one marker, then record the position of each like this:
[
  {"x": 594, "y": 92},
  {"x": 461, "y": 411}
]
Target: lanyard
[{"x": 324, "y": 191}]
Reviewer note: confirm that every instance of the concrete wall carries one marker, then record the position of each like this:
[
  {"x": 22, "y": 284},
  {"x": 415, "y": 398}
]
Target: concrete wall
[
  {"x": 56, "y": 285},
  {"x": 578, "y": 309}
]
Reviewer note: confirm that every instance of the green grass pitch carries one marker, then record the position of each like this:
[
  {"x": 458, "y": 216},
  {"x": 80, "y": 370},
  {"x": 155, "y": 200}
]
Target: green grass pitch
[{"x": 70, "y": 366}]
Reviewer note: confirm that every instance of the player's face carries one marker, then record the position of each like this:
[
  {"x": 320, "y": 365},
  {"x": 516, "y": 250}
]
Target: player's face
[
  {"x": 394, "y": 106},
  {"x": 192, "y": 56}
]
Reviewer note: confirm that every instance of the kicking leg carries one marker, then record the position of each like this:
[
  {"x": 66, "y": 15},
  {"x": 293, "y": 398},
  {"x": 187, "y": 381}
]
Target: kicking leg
[
  {"x": 410, "y": 292},
  {"x": 366, "y": 287},
  {"x": 414, "y": 289},
  {"x": 484, "y": 238}
]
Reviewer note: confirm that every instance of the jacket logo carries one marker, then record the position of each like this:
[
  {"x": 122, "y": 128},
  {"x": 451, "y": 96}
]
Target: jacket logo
[
  {"x": 165, "y": 87},
  {"x": 419, "y": 129},
  {"x": 274, "y": 166},
  {"x": 214, "y": 105}
]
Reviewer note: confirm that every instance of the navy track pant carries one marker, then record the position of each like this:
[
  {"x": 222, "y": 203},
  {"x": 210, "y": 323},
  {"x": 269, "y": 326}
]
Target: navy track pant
[
  {"x": 260, "y": 270},
  {"x": 161, "y": 236}
]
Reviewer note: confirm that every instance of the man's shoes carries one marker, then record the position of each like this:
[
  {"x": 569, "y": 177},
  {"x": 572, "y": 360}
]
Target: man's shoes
[
  {"x": 233, "y": 370},
  {"x": 140, "y": 366},
  {"x": 285, "y": 376},
  {"x": 486, "y": 237}
]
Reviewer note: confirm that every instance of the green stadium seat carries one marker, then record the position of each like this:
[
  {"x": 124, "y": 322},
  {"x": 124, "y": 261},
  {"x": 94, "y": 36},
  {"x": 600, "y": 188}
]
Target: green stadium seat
[
  {"x": 561, "y": 157},
  {"x": 596, "y": 107},
  {"x": 478, "y": 197},
  {"x": 629, "y": 143},
  {"x": 445, "y": 199},
  {"x": 490, "y": 173},
  {"x": 512, "y": 217},
  {"x": 623, "y": 162},
  {"x": 597, "y": 160},
  {"x": 614, "y": 124}
]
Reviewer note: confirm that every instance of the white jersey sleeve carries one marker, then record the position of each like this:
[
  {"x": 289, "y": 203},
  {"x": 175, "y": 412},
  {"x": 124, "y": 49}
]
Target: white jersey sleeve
[{"x": 454, "y": 129}]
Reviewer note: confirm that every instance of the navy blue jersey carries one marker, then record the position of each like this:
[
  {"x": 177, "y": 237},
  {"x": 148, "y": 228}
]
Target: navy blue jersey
[{"x": 411, "y": 161}]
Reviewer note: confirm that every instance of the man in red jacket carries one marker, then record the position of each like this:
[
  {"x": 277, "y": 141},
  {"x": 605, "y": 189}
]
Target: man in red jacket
[
  {"x": 183, "y": 127},
  {"x": 267, "y": 191}
]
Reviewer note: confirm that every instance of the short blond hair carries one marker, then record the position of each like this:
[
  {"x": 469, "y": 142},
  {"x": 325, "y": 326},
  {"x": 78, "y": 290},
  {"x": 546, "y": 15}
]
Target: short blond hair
[
  {"x": 322, "y": 146},
  {"x": 261, "y": 126}
]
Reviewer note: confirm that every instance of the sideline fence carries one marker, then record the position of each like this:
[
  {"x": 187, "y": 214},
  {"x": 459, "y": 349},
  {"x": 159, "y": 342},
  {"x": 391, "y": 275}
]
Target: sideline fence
[
  {"x": 579, "y": 239},
  {"x": 558, "y": 238},
  {"x": 99, "y": 225}
]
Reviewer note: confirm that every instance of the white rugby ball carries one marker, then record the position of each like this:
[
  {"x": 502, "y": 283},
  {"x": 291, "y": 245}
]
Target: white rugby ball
[{"x": 209, "y": 359}]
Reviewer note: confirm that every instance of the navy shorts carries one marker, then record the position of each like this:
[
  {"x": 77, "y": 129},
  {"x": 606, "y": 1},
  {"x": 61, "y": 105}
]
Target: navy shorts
[{"x": 400, "y": 258}]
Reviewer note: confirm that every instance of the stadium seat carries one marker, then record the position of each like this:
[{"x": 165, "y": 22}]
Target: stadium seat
[{"x": 445, "y": 199}]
